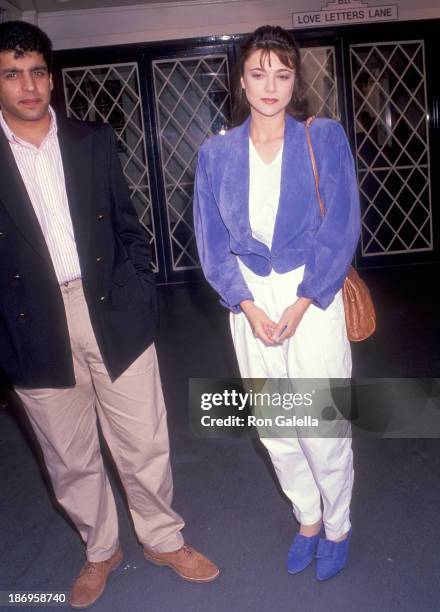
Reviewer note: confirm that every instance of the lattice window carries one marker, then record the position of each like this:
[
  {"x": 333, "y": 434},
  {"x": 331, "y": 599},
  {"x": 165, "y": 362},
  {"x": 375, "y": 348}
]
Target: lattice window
[
  {"x": 391, "y": 124},
  {"x": 110, "y": 93},
  {"x": 192, "y": 102},
  {"x": 320, "y": 73}
]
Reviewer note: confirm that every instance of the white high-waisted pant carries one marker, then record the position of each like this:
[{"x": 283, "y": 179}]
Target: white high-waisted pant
[{"x": 309, "y": 468}]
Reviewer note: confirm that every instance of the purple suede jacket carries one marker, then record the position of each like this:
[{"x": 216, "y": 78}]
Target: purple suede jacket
[{"x": 221, "y": 213}]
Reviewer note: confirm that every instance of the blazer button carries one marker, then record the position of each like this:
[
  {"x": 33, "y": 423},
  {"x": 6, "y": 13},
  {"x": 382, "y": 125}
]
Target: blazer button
[
  {"x": 100, "y": 217},
  {"x": 2, "y": 235},
  {"x": 21, "y": 316},
  {"x": 99, "y": 259},
  {"x": 101, "y": 299},
  {"x": 17, "y": 276}
]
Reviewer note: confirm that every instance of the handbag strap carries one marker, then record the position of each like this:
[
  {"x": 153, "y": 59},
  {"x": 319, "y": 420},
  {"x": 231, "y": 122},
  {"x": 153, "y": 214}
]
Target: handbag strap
[{"x": 314, "y": 166}]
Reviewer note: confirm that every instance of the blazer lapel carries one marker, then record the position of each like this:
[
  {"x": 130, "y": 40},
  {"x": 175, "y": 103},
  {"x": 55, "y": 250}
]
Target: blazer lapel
[
  {"x": 295, "y": 179},
  {"x": 77, "y": 157},
  {"x": 15, "y": 198},
  {"x": 234, "y": 192}
]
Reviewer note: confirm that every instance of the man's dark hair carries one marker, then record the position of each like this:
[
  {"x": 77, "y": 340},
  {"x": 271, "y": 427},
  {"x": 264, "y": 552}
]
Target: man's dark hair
[{"x": 21, "y": 37}]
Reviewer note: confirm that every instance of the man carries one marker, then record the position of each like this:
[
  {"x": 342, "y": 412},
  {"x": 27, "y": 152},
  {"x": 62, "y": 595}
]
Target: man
[{"x": 78, "y": 317}]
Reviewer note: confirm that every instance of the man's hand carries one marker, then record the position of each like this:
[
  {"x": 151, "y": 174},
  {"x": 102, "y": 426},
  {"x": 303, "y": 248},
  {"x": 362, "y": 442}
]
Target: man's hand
[{"x": 262, "y": 326}]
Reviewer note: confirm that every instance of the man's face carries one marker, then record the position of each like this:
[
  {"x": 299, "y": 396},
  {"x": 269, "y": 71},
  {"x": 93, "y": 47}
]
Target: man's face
[{"x": 25, "y": 86}]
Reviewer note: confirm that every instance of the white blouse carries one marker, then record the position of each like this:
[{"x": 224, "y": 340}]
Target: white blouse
[{"x": 264, "y": 194}]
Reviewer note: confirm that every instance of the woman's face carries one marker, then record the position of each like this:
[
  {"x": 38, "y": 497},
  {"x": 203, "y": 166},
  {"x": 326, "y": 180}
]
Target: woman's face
[{"x": 268, "y": 86}]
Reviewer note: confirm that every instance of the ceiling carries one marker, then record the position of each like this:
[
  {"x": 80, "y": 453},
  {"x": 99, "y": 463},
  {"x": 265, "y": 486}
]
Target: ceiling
[{"x": 70, "y": 5}]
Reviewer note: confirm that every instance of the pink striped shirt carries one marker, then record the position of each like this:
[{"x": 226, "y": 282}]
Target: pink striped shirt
[{"x": 41, "y": 169}]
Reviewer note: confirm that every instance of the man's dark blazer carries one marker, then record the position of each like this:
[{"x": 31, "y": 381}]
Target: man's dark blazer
[{"x": 114, "y": 257}]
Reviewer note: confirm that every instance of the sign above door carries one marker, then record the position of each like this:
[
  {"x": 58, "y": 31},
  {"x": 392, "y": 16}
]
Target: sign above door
[{"x": 345, "y": 12}]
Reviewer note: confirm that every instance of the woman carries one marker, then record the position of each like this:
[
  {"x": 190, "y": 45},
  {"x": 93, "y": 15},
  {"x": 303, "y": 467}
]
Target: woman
[{"x": 279, "y": 267}]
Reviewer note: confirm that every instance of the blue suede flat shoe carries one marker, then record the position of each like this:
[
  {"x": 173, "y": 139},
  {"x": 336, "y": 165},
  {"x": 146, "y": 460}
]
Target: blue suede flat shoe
[
  {"x": 302, "y": 552},
  {"x": 331, "y": 557}
]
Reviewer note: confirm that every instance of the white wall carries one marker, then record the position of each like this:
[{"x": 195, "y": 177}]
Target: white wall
[{"x": 73, "y": 29}]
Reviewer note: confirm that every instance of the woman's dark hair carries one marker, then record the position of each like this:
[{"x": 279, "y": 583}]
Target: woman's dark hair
[
  {"x": 21, "y": 37},
  {"x": 271, "y": 39}
]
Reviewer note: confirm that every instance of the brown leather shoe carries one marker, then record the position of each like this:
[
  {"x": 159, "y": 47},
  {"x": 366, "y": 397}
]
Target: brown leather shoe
[
  {"x": 187, "y": 562},
  {"x": 90, "y": 584}
]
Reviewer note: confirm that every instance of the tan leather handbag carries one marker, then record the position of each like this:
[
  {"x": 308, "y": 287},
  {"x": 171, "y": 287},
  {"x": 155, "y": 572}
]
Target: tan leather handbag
[{"x": 360, "y": 316}]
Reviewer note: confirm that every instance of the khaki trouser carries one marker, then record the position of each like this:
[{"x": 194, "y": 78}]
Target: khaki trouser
[{"x": 132, "y": 416}]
